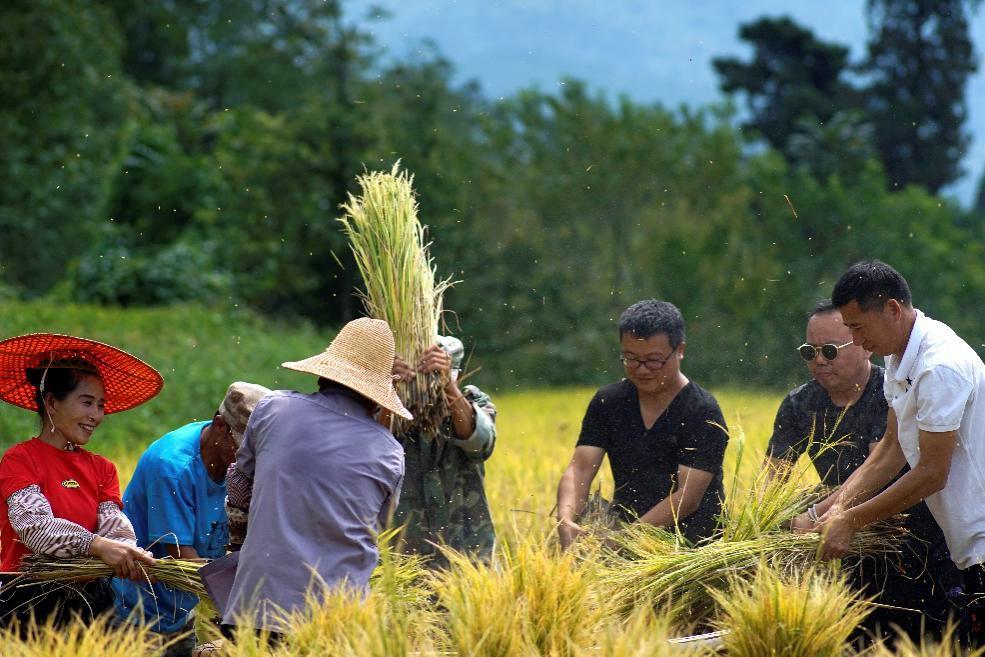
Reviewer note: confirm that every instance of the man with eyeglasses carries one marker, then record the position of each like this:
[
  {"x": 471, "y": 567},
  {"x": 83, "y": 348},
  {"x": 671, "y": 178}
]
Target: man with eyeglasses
[
  {"x": 176, "y": 503},
  {"x": 665, "y": 436},
  {"x": 836, "y": 418}
]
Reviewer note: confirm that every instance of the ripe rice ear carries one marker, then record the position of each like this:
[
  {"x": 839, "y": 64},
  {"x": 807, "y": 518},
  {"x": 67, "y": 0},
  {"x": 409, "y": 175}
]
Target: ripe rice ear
[
  {"x": 809, "y": 614},
  {"x": 401, "y": 287},
  {"x": 75, "y": 639}
]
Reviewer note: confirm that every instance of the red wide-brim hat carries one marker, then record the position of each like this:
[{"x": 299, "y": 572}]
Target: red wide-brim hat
[{"x": 127, "y": 380}]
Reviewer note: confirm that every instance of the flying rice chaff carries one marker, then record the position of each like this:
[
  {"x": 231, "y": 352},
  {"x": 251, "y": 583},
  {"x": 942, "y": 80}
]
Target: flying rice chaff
[{"x": 389, "y": 246}]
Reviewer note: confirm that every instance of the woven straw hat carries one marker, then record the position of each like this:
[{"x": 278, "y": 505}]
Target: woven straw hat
[
  {"x": 127, "y": 380},
  {"x": 361, "y": 358}
]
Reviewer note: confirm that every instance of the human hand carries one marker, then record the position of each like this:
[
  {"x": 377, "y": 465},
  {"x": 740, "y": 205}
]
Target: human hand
[
  {"x": 435, "y": 359},
  {"x": 803, "y": 524},
  {"x": 568, "y": 531},
  {"x": 401, "y": 370},
  {"x": 837, "y": 532},
  {"x": 123, "y": 558}
]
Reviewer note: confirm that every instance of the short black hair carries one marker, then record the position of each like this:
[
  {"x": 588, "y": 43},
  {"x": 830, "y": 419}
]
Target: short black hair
[
  {"x": 821, "y": 307},
  {"x": 646, "y": 318},
  {"x": 870, "y": 283}
]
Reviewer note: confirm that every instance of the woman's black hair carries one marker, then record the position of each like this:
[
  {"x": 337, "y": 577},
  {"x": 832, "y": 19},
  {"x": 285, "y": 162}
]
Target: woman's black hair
[{"x": 60, "y": 377}]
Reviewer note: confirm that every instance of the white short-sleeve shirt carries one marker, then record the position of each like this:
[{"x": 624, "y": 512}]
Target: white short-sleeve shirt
[{"x": 937, "y": 386}]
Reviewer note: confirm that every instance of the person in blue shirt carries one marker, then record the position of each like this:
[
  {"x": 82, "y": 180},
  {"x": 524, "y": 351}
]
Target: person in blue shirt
[{"x": 176, "y": 503}]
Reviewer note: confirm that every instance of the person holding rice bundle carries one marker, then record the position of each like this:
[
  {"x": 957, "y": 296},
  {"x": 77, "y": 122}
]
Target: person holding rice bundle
[
  {"x": 315, "y": 477},
  {"x": 934, "y": 387},
  {"x": 176, "y": 502},
  {"x": 665, "y": 436},
  {"x": 56, "y": 498},
  {"x": 837, "y": 418},
  {"x": 443, "y": 501}
]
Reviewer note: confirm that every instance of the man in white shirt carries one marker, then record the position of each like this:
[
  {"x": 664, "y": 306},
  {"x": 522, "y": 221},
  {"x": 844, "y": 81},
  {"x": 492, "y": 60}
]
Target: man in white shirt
[{"x": 935, "y": 387}]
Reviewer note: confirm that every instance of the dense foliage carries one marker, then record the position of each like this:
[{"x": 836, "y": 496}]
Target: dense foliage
[{"x": 197, "y": 151}]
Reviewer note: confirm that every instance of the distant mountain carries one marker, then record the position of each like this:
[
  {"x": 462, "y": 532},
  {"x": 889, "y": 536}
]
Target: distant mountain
[{"x": 657, "y": 50}]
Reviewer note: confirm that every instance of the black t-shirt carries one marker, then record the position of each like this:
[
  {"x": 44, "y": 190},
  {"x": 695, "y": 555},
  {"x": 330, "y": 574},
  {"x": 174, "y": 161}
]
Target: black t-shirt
[
  {"x": 690, "y": 432},
  {"x": 836, "y": 440},
  {"x": 839, "y": 447}
]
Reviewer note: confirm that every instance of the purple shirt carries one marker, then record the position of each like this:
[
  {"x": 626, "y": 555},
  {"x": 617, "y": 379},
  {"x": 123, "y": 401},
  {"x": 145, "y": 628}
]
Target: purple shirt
[{"x": 324, "y": 476}]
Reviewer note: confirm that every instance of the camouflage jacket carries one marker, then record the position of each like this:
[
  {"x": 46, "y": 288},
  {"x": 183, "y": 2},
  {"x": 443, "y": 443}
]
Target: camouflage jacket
[{"x": 443, "y": 500}]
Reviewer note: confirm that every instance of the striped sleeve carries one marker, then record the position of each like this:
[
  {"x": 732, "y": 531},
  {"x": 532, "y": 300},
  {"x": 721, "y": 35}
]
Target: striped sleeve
[
  {"x": 40, "y": 531},
  {"x": 111, "y": 523},
  {"x": 239, "y": 494}
]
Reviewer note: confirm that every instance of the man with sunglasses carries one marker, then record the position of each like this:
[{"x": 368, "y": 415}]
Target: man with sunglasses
[
  {"x": 935, "y": 388},
  {"x": 176, "y": 502},
  {"x": 665, "y": 436},
  {"x": 836, "y": 418}
]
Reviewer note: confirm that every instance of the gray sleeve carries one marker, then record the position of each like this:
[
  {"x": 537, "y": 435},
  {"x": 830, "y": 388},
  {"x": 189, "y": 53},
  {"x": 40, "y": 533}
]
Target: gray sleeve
[
  {"x": 481, "y": 443},
  {"x": 390, "y": 505}
]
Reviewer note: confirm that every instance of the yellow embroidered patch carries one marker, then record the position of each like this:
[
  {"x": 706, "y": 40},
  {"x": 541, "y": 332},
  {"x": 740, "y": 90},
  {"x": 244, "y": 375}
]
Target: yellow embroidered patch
[{"x": 70, "y": 483}]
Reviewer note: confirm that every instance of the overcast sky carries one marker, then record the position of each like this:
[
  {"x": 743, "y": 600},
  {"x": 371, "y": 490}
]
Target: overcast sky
[{"x": 659, "y": 50}]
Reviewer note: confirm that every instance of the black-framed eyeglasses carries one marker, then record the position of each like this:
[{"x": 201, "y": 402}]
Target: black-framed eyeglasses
[
  {"x": 632, "y": 362},
  {"x": 830, "y": 351}
]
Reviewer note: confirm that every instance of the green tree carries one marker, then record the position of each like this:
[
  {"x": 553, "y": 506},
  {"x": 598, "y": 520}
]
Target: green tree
[
  {"x": 920, "y": 56},
  {"x": 63, "y": 115},
  {"x": 793, "y": 79}
]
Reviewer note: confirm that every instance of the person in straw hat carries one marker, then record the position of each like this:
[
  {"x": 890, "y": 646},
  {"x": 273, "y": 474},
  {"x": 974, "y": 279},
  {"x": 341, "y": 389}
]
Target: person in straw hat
[
  {"x": 176, "y": 502},
  {"x": 316, "y": 476},
  {"x": 57, "y": 499}
]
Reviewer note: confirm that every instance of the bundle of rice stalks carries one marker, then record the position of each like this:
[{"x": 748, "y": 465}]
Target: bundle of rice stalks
[
  {"x": 654, "y": 567},
  {"x": 389, "y": 246},
  {"x": 810, "y": 614},
  {"x": 177, "y": 573}
]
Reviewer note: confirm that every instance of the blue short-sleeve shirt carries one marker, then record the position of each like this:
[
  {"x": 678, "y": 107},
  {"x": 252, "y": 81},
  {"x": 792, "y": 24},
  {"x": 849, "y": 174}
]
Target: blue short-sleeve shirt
[{"x": 172, "y": 500}]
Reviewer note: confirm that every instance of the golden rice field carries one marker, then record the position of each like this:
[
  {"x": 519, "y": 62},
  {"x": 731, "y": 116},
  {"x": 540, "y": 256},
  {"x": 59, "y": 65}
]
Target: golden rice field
[{"x": 535, "y": 601}]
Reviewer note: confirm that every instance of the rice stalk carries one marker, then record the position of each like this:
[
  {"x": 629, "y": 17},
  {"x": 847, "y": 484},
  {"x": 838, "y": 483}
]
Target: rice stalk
[
  {"x": 560, "y": 592},
  {"x": 180, "y": 574},
  {"x": 768, "y": 502},
  {"x": 809, "y": 614},
  {"x": 948, "y": 646},
  {"x": 95, "y": 638},
  {"x": 388, "y": 243},
  {"x": 399, "y": 577},
  {"x": 530, "y": 600},
  {"x": 644, "y": 633},
  {"x": 341, "y": 621}
]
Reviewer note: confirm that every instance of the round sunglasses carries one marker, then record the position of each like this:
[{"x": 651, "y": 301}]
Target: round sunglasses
[{"x": 830, "y": 351}]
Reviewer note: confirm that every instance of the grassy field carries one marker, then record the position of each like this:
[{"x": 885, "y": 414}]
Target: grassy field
[{"x": 531, "y": 601}]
